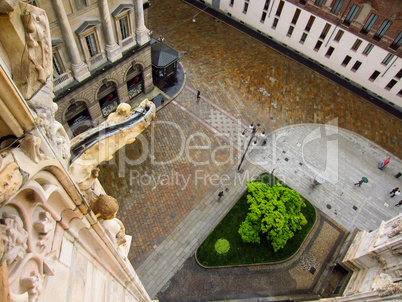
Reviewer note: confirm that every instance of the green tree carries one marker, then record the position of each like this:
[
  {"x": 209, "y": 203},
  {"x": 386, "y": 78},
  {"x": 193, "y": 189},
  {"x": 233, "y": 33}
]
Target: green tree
[{"x": 274, "y": 212}]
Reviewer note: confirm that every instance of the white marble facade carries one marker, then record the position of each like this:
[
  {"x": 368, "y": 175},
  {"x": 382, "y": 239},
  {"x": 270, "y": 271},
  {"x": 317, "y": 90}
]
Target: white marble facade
[{"x": 53, "y": 246}]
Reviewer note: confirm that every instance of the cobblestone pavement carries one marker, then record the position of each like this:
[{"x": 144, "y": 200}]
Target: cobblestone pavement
[
  {"x": 168, "y": 180},
  {"x": 298, "y": 276},
  {"x": 255, "y": 83}
]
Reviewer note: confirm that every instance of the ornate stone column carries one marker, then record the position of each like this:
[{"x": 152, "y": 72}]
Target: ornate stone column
[
  {"x": 79, "y": 68},
  {"x": 141, "y": 31},
  {"x": 112, "y": 49}
]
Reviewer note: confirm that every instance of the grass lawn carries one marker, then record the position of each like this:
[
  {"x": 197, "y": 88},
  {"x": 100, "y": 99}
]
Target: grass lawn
[{"x": 250, "y": 253}]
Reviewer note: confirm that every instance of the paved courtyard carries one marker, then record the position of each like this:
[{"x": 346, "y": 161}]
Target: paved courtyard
[{"x": 168, "y": 180}]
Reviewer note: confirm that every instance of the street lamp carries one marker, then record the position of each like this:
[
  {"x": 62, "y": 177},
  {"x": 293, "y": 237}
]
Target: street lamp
[{"x": 254, "y": 129}]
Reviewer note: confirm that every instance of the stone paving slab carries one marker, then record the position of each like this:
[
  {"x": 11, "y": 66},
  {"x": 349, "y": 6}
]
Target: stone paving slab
[
  {"x": 190, "y": 233},
  {"x": 343, "y": 158},
  {"x": 256, "y": 83},
  {"x": 249, "y": 82}
]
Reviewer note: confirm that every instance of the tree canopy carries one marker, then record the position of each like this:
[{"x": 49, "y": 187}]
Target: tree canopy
[{"x": 274, "y": 212}]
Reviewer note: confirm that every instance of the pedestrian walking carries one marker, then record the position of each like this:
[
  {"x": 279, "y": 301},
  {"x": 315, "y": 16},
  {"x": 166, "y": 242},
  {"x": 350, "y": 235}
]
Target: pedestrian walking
[
  {"x": 364, "y": 179},
  {"x": 198, "y": 94},
  {"x": 396, "y": 193},
  {"x": 394, "y": 190},
  {"x": 220, "y": 195},
  {"x": 399, "y": 203}
]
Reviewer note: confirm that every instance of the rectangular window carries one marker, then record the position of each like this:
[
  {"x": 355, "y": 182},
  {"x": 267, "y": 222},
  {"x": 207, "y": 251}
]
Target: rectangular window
[
  {"x": 382, "y": 30},
  {"x": 264, "y": 15},
  {"x": 318, "y": 45},
  {"x": 290, "y": 31},
  {"x": 57, "y": 65},
  {"x": 374, "y": 75},
  {"x": 245, "y": 8},
  {"x": 275, "y": 23},
  {"x": 318, "y": 2},
  {"x": 266, "y": 4},
  {"x": 397, "y": 42},
  {"x": 356, "y": 66},
  {"x": 368, "y": 49},
  {"x": 351, "y": 15},
  {"x": 337, "y": 6},
  {"x": 124, "y": 29},
  {"x": 280, "y": 7},
  {"x": 329, "y": 51},
  {"x": 303, "y": 38},
  {"x": 399, "y": 93},
  {"x": 80, "y": 4},
  {"x": 91, "y": 44},
  {"x": 387, "y": 59},
  {"x": 296, "y": 16},
  {"x": 339, "y": 35},
  {"x": 231, "y": 2},
  {"x": 346, "y": 60},
  {"x": 399, "y": 75},
  {"x": 309, "y": 23},
  {"x": 325, "y": 31},
  {"x": 357, "y": 44},
  {"x": 391, "y": 84},
  {"x": 302, "y": 2},
  {"x": 369, "y": 24}
]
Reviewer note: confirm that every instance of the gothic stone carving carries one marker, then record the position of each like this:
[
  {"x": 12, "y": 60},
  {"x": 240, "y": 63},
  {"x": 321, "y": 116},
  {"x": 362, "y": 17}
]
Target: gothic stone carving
[
  {"x": 397, "y": 228},
  {"x": 10, "y": 176},
  {"x": 39, "y": 48},
  {"x": 30, "y": 145},
  {"x": 14, "y": 237},
  {"x": 27, "y": 249},
  {"x": 44, "y": 107},
  {"x": 385, "y": 285}
]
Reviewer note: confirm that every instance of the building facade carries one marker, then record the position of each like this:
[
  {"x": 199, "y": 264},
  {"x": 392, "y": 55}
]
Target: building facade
[
  {"x": 101, "y": 58},
  {"x": 59, "y": 238},
  {"x": 359, "y": 40}
]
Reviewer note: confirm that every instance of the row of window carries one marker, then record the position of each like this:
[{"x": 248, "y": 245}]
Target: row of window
[
  {"x": 337, "y": 38},
  {"x": 88, "y": 34},
  {"x": 76, "y": 4},
  {"x": 352, "y": 14}
]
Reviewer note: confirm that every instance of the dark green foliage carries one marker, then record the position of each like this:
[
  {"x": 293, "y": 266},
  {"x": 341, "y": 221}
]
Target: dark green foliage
[
  {"x": 246, "y": 253},
  {"x": 274, "y": 212}
]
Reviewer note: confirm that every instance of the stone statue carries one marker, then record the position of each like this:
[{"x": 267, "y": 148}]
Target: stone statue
[
  {"x": 102, "y": 150},
  {"x": 105, "y": 209},
  {"x": 39, "y": 52}
]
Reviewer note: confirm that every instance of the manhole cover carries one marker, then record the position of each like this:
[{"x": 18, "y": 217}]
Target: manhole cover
[
  {"x": 301, "y": 164},
  {"x": 286, "y": 159},
  {"x": 173, "y": 215},
  {"x": 207, "y": 285},
  {"x": 354, "y": 208},
  {"x": 329, "y": 206},
  {"x": 312, "y": 270}
]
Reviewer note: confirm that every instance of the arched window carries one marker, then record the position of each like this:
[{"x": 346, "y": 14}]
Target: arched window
[
  {"x": 78, "y": 118},
  {"x": 108, "y": 98},
  {"x": 135, "y": 81}
]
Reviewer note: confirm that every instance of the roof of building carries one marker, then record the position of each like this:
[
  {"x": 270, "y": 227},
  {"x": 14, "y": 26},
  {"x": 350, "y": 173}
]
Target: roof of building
[{"x": 163, "y": 55}]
